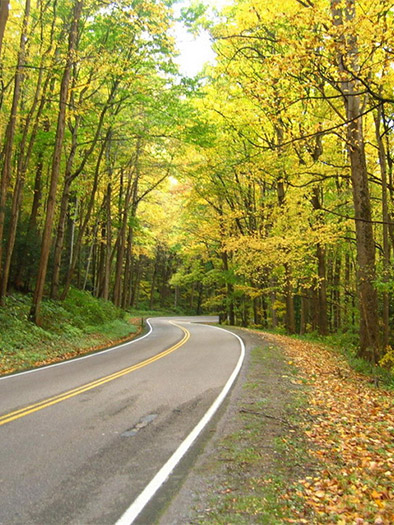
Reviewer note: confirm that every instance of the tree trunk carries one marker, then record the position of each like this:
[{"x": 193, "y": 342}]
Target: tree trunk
[
  {"x": 56, "y": 159},
  {"x": 71, "y": 175},
  {"x": 10, "y": 131},
  {"x": 386, "y": 220},
  {"x": 4, "y": 10},
  {"x": 289, "y": 299},
  {"x": 368, "y": 301},
  {"x": 321, "y": 313},
  {"x": 76, "y": 249},
  {"x": 256, "y": 312},
  {"x": 336, "y": 284},
  {"x": 16, "y": 205},
  {"x": 22, "y": 279},
  {"x": 126, "y": 292},
  {"x": 3, "y": 20},
  {"x": 123, "y": 212},
  {"x": 154, "y": 279},
  {"x": 200, "y": 287},
  {"x": 105, "y": 263},
  {"x": 90, "y": 257},
  {"x": 273, "y": 299},
  {"x": 290, "y": 312},
  {"x": 61, "y": 228},
  {"x": 136, "y": 283},
  {"x": 23, "y": 162},
  {"x": 229, "y": 291},
  {"x": 304, "y": 314},
  {"x": 369, "y": 325},
  {"x": 130, "y": 197}
]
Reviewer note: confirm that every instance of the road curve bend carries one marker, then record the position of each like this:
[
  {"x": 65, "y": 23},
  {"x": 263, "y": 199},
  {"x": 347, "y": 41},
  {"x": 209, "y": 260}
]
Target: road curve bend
[{"x": 92, "y": 439}]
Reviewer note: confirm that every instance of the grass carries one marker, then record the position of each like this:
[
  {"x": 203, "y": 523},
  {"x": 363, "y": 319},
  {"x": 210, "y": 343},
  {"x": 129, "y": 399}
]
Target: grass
[
  {"x": 160, "y": 312},
  {"x": 77, "y": 325}
]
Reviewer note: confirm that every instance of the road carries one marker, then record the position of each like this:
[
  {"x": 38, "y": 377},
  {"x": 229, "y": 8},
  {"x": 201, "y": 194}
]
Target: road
[{"x": 80, "y": 441}]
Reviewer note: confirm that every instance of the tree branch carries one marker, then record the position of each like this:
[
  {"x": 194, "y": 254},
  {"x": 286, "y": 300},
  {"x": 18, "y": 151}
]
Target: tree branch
[{"x": 348, "y": 217}]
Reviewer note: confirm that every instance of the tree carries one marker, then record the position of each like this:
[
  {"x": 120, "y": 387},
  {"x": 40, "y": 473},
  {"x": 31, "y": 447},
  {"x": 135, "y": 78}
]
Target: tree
[
  {"x": 56, "y": 160},
  {"x": 309, "y": 84}
]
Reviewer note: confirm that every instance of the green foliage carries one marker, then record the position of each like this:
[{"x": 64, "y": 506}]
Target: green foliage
[
  {"x": 155, "y": 312},
  {"x": 231, "y": 191},
  {"x": 193, "y": 16},
  {"x": 77, "y": 324},
  {"x": 116, "y": 329},
  {"x": 84, "y": 309}
]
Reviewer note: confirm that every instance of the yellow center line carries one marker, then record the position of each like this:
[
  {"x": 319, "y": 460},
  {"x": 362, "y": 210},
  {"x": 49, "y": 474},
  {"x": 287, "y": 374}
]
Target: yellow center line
[{"x": 22, "y": 412}]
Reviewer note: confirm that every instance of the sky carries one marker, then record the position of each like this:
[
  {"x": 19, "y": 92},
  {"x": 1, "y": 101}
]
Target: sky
[{"x": 194, "y": 51}]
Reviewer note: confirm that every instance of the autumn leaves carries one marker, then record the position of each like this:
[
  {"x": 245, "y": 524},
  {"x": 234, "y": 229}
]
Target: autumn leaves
[{"x": 349, "y": 426}]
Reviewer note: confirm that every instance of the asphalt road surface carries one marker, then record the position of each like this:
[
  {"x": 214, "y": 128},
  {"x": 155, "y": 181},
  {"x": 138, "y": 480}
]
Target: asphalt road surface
[{"x": 80, "y": 441}]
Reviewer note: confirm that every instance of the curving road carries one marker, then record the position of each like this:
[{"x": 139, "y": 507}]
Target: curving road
[{"x": 80, "y": 441}]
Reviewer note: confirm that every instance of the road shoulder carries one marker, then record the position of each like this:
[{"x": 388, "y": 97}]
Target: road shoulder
[{"x": 243, "y": 449}]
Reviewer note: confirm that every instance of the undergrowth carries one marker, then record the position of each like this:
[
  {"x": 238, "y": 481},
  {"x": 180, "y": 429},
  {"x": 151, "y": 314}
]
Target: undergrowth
[
  {"x": 346, "y": 344},
  {"x": 75, "y": 325}
]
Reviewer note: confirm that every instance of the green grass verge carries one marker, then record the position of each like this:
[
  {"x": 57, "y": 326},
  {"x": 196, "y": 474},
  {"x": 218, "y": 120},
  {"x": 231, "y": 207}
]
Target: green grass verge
[
  {"x": 151, "y": 312},
  {"x": 76, "y": 325}
]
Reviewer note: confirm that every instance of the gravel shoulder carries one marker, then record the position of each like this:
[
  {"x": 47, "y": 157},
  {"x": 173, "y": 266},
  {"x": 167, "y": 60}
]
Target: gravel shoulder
[{"x": 241, "y": 442}]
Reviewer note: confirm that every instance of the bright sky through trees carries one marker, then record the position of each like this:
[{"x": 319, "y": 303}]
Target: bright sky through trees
[{"x": 195, "y": 51}]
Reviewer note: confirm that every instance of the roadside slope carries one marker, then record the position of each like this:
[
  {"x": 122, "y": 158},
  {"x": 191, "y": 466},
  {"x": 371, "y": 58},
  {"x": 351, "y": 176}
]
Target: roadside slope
[{"x": 78, "y": 325}]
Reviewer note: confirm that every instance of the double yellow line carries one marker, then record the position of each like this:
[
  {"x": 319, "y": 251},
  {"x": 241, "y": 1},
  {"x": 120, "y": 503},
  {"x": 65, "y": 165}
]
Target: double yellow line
[{"x": 22, "y": 412}]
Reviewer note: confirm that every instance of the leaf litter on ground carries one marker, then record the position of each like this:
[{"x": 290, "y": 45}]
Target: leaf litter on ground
[{"x": 350, "y": 428}]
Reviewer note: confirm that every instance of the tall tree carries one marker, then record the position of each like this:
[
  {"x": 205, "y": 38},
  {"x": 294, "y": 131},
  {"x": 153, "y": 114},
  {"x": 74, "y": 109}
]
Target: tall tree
[
  {"x": 4, "y": 10},
  {"x": 348, "y": 64},
  {"x": 10, "y": 130},
  {"x": 56, "y": 160}
]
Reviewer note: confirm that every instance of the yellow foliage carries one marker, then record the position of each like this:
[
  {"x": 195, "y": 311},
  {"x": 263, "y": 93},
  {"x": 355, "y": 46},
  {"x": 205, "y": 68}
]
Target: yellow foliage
[{"x": 387, "y": 360}]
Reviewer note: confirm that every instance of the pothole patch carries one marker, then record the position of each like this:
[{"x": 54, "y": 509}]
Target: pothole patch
[{"x": 142, "y": 423}]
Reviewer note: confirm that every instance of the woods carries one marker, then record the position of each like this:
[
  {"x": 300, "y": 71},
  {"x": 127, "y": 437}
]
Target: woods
[
  {"x": 89, "y": 101},
  {"x": 301, "y": 166},
  {"x": 262, "y": 190}
]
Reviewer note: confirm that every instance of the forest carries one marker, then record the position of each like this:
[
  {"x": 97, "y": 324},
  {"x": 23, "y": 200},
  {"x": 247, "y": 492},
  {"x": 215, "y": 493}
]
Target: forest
[{"x": 261, "y": 190}]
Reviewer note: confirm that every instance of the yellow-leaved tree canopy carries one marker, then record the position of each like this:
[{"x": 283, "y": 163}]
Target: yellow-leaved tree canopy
[{"x": 297, "y": 172}]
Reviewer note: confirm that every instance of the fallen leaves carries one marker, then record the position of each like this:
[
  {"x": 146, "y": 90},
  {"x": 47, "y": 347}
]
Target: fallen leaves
[{"x": 349, "y": 426}]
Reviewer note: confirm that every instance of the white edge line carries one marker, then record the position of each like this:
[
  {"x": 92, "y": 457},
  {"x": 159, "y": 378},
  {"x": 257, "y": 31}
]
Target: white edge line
[
  {"x": 162, "y": 475},
  {"x": 95, "y": 354}
]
